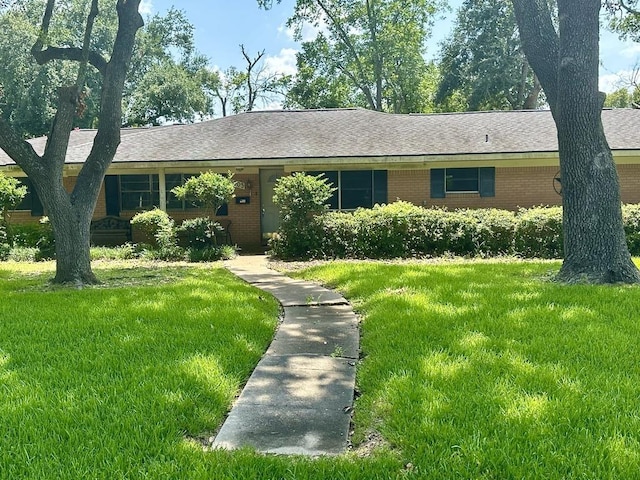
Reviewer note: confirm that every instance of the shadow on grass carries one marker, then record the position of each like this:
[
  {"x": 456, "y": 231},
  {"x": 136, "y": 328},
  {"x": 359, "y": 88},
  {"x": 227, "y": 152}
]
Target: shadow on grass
[{"x": 488, "y": 371}]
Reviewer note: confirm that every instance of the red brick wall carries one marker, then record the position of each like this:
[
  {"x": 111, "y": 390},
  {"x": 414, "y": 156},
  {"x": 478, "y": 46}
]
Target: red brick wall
[
  {"x": 245, "y": 218},
  {"x": 515, "y": 187}
]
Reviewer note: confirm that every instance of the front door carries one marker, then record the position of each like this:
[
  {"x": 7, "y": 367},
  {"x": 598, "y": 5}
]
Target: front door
[{"x": 270, "y": 212}]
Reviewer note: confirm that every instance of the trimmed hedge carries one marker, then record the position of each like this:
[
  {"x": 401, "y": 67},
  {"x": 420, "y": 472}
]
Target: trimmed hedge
[{"x": 401, "y": 230}]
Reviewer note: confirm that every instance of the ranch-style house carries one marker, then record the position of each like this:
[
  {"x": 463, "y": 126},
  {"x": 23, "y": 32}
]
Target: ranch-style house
[{"x": 502, "y": 159}]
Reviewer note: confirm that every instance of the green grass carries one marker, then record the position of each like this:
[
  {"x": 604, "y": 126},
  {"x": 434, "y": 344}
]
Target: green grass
[
  {"x": 488, "y": 370},
  {"x": 480, "y": 370},
  {"x": 115, "y": 381}
]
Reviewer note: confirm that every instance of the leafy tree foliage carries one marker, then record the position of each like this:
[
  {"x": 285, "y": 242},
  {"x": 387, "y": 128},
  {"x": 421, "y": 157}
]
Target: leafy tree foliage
[
  {"x": 625, "y": 18},
  {"x": 11, "y": 194},
  {"x": 623, "y": 98},
  {"x": 482, "y": 64},
  {"x": 373, "y": 47},
  {"x": 169, "y": 79},
  {"x": 301, "y": 198},
  {"x": 210, "y": 190}
]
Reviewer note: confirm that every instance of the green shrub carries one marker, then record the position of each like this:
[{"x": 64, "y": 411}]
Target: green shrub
[
  {"x": 301, "y": 198},
  {"x": 338, "y": 235},
  {"x": 23, "y": 254},
  {"x": 34, "y": 235},
  {"x": 11, "y": 194},
  {"x": 120, "y": 252},
  {"x": 402, "y": 229},
  {"x": 211, "y": 254},
  {"x": 160, "y": 230},
  {"x": 198, "y": 233},
  {"x": 151, "y": 222},
  {"x": 5, "y": 247},
  {"x": 631, "y": 221},
  {"x": 207, "y": 190},
  {"x": 538, "y": 232},
  {"x": 493, "y": 232}
]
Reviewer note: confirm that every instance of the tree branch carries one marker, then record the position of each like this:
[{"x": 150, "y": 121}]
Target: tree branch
[
  {"x": 347, "y": 42},
  {"x": 17, "y": 148},
  {"x": 540, "y": 43},
  {"x": 44, "y": 55},
  {"x": 82, "y": 70},
  {"x": 629, "y": 9},
  {"x": 107, "y": 138},
  {"x": 69, "y": 53},
  {"x": 44, "y": 27}
]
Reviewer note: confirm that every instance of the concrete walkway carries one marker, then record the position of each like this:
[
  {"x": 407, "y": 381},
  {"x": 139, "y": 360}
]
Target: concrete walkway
[{"x": 299, "y": 398}]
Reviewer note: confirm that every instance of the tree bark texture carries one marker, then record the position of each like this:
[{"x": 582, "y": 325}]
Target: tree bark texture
[{"x": 566, "y": 63}]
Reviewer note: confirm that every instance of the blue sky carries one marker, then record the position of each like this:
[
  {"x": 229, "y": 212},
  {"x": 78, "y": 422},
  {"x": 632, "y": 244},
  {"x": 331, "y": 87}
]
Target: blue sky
[{"x": 222, "y": 25}]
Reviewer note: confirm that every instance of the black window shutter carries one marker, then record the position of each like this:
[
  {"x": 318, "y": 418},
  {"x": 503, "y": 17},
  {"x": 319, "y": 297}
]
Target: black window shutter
[
  {"x": 112, "y": 195},
  {"x": 487, "y": 177},
  {"x": 437, "y": 183},
  {"x": 223, "y": 211},
  {"x": 37, "y": 210},
  {"x": 380, "y": 187}
]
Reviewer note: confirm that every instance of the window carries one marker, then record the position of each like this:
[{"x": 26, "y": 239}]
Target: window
[
  {"x": 31, "y": 201},
  {"x": 462, "y": 180},
  {"x": 139, "y": 191},
  {"x": 356, "y": 188},
  {"x": 173, "y": 203}
]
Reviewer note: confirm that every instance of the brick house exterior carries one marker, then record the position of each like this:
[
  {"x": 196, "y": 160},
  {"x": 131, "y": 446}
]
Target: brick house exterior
[{"x": 505, "y": 159}]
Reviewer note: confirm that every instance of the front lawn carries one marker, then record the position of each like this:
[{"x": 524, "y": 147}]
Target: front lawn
[
  {"x": 469, "y": 370},
  {"x": 488, "y": 370}
]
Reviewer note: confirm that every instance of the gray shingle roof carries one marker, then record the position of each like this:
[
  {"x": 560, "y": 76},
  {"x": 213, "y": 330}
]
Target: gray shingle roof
[{"x": 339, "y": 133}]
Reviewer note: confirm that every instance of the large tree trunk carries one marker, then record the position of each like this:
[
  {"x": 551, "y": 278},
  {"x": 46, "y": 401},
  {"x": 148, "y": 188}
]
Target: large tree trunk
[
  {"x": 595, "y": 247},
  {"x": 71, "y": 230},
  {"x": 595, "y": 243}
]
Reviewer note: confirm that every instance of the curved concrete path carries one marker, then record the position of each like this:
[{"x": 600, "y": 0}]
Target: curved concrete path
[{"x": 299, "y": 398}]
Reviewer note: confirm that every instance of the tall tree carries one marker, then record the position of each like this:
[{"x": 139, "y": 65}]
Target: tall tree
[
  {"x": 242, "y": 89},
  {"x": 317, "y": 84},
  {"x": 169, "y": 79},
  {"x": 377, "y": 46},
  {"x": 566, "y": 62},
  {"x": 483, "y": 63},
  {"x": 70, "y": 212}
]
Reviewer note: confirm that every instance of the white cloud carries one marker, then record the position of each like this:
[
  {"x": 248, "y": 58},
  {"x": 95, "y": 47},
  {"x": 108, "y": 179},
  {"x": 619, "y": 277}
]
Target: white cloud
[
  {"x": 631, "y": 50},
  {"x": 308, "y": 32},
  {"x": 271, "y": 105},
  {"x": 146, "y": 7},
  {"x": 284, "y": 63},
  {"x": 610, "y": 82}
]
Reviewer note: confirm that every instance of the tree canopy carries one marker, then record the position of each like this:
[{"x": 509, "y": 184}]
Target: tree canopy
[
  {"x": 482, "y": 64},
  {"x": 624, "y": 18},
  {"x": 368, "y": 53}
]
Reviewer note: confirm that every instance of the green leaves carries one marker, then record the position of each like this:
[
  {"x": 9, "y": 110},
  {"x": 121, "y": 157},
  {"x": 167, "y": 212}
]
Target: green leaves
[
  {"x": 210, "y": 190},
  {"x": 369, "y": 54},
  {"x": 11, "y": 194},
  {"x": 482, "y": 65}
]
